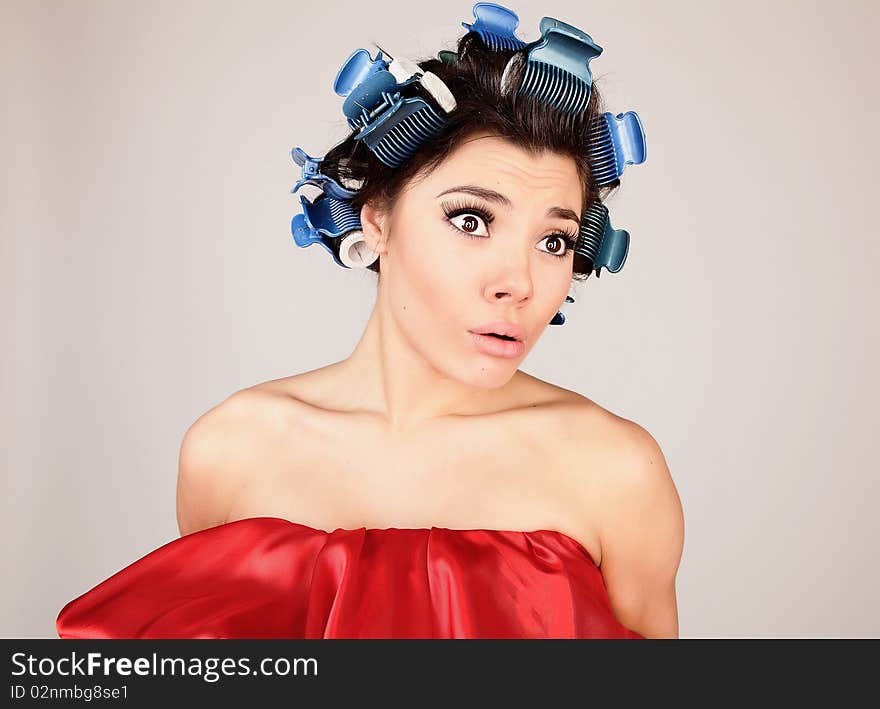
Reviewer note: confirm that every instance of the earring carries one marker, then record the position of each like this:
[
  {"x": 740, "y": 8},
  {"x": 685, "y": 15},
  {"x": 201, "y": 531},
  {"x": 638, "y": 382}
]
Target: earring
[{"x": 559, "y": 318}]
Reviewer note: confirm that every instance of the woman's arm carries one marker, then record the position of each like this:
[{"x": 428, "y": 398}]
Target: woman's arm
[{"x": 641, "y": 533}]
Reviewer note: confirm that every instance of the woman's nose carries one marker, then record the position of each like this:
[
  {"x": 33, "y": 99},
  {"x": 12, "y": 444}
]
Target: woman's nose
[{"x": 513, "y": 282}]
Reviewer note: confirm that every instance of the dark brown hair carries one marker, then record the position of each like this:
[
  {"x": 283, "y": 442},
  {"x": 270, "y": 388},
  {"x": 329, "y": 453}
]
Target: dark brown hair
[{"x": 475, "y": 81}]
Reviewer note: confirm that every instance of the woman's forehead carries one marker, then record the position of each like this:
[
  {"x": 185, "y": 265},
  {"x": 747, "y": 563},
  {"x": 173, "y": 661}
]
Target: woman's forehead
[{"x": 497, "y": 163}]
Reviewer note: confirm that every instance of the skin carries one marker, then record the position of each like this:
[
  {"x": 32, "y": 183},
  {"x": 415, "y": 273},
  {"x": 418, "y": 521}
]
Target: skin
[
  {"x": 436, "y": 284},
  {"x": 418, "y": 428}
]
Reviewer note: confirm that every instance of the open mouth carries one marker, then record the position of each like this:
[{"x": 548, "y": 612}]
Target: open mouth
[{"x": 495, "y": 344}]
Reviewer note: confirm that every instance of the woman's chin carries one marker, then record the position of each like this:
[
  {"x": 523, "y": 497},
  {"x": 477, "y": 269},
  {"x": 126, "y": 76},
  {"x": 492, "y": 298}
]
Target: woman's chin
[{"x": 490, "y": 373}]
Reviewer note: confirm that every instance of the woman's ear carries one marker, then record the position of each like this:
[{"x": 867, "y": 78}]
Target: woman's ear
[{"x": 374, "y": 225}]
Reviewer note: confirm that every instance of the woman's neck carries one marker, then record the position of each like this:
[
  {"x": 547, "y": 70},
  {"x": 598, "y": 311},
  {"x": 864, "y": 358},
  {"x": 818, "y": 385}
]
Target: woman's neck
[{"x": 388, "y": 376}]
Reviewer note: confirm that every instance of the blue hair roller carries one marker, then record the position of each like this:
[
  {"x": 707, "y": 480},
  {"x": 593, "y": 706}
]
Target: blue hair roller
[
  {"x": 601, "y": 243},
  {"x": 496, "y": 26},
  {"x": 616, "y": 142},
  {"x": 391, "y": 126},
  {"x": 557, "y": 69},
  {"x": 327, "y": 219},
  {"x": 401, "y": 130}
]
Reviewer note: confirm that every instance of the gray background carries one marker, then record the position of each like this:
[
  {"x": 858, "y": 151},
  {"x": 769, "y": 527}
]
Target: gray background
[{"x": 147, "y": 271}]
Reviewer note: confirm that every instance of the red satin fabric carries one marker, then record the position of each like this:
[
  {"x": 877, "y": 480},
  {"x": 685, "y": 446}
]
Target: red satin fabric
[{"x": 267, "y": 577}]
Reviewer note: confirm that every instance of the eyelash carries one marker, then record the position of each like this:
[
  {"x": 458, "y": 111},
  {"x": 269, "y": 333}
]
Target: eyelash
[{"x": 456, "y": 209}]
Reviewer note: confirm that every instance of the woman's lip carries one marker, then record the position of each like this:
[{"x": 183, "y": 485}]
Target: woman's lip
[{"x": 497, "y": 347}]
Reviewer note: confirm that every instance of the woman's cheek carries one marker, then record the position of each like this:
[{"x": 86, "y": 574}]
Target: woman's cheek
[{"x": 436, "y": 288}]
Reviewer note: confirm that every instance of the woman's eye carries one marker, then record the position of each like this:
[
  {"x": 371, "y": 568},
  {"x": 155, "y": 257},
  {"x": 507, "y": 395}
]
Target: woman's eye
[
  {"x": 557, "y": 245},
  {"x": 468, "y": 223}
]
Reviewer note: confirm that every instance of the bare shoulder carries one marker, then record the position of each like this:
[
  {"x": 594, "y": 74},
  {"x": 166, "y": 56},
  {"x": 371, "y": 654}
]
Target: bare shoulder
[
  {"x": 606, "y": 449},
  {"x": 218, "y": 449},
  {"x": 634, "y": 503}
]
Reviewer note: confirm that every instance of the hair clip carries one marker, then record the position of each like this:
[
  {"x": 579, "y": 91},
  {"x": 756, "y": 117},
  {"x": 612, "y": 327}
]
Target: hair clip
[
  {"x": 393, "y": 127},
  {"x": 601, "y": 243},
  {"x": 496, "y": 26},
  {"x": 616, "y": 142},
  {"x": 559, "y": 318},
  {"x": 311, "y": 175},
  {"x": 356, "y": 69},
  {"x": 326, "y": 215},
  {"x": 327, "y": 219},
  {"x": 363, "y": 81},
  {"x": 557, "y": 69},
  {"x": 444, "y": 55}
]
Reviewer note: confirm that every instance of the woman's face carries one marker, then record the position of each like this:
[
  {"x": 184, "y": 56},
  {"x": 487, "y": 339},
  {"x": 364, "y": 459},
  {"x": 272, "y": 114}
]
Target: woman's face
[{"x": 487, "y": 237}]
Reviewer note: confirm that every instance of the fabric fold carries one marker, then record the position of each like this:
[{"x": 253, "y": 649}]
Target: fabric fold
[{"x": 267, "y": 577}]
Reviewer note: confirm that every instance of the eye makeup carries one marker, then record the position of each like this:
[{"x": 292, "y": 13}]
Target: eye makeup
[{"x": 458, "y": 208}]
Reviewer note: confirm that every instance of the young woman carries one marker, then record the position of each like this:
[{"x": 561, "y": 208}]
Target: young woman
[{"x": 425, "y": 486}]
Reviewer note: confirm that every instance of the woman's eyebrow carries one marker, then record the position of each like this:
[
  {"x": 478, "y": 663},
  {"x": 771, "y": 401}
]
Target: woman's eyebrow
[{"x": 498, "y": 198}]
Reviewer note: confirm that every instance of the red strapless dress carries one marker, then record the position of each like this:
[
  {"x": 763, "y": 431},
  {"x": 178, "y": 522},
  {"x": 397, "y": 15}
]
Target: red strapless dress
[{"x": 267, "y": 577}]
